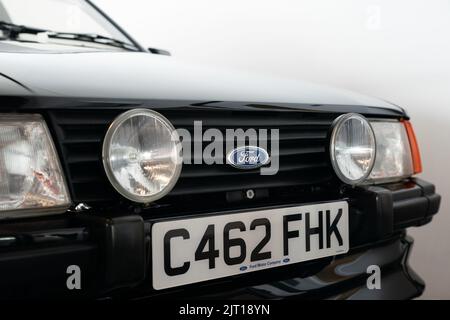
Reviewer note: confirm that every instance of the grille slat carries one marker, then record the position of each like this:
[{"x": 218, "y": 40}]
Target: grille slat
[
  {"x": 211, "y": 171},
  {"x": 204, "y": 185},
  {"x": 302, "y": 148},
  {"x": 86, "y": 159}
]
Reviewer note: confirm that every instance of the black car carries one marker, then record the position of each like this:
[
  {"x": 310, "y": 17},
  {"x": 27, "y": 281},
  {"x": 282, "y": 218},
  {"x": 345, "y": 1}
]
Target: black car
[{"x": 127, "y": 173}]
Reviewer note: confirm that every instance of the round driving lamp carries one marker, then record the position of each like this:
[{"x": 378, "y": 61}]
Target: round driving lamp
[
  {"x": 352, "y": 148},
  {"x": 142, "y": 155}
]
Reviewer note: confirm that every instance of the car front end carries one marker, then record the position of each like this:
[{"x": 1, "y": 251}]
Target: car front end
[{"x": 127, "y": 174}]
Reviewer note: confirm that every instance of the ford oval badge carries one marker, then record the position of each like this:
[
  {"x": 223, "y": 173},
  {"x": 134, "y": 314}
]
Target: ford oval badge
[{"x": 248, "y": 157}]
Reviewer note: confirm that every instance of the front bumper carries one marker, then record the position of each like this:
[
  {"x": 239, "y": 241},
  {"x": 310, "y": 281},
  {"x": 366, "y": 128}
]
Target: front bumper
[
  {"x": 113, "y": 255},
  {"x": 345, "y": 277}
]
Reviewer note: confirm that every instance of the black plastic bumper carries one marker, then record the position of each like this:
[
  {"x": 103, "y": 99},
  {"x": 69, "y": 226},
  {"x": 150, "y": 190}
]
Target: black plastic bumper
[
  {"x": 113, "y": 255},
  {"x": 346, "y": 278}
]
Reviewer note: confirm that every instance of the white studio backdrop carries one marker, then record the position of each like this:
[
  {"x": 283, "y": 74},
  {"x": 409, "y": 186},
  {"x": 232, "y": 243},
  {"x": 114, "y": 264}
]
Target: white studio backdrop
[{"x": 396, "y": 50}]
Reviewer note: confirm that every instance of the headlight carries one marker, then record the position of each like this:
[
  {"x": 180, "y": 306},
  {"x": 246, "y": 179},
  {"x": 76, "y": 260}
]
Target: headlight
[
  {"x": 394, "y": 160},
  {"x": 352, "y": 148},
  {"x": 142, "y": 155},
  {"x": 31, "y": 179}
]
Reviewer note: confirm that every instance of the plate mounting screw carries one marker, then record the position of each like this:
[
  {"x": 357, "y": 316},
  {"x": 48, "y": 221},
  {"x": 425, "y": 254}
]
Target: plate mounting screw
[{"x": 250, "y": 194}]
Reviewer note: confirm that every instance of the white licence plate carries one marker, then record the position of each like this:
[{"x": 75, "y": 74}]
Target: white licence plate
[{"x": 198, "y": 249}]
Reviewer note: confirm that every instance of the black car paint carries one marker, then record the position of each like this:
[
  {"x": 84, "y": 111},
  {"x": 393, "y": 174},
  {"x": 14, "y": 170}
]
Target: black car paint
[
  {"x": 134, "y": 274},
  {"x": 41, "y": 247}
]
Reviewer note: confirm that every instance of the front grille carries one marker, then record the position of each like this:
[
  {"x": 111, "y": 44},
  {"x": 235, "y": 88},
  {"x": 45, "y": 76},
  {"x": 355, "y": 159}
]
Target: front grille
[{"x": 303, "y": 151}]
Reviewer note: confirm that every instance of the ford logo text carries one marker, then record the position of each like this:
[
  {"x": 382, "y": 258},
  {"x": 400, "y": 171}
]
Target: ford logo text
[{"x": 248, "y": 157}]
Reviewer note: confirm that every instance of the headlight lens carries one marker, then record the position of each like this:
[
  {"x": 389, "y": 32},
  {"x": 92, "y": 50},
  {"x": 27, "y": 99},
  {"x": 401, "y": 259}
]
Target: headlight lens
[
  {"x": 352, "y": 148},
  {"x": 31, "y": 179},
  {"x": 394, "y": 158},
  {"x": 142, "y": 155}
]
